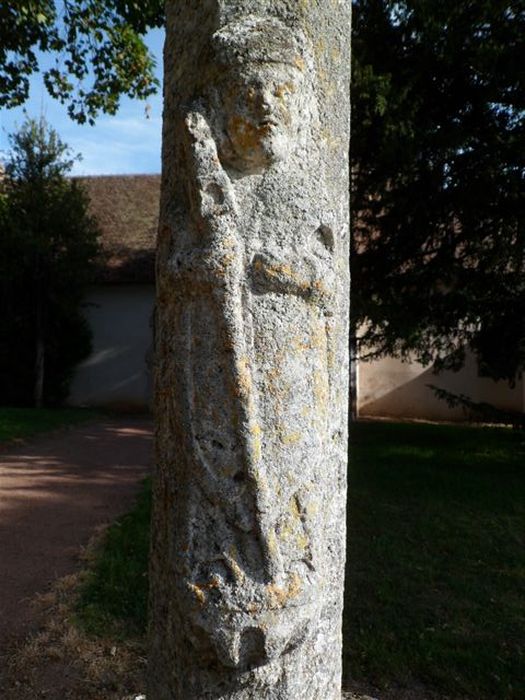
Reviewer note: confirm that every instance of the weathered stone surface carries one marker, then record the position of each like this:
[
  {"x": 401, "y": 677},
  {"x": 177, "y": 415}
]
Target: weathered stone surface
[{"x": 248, "y": 548}]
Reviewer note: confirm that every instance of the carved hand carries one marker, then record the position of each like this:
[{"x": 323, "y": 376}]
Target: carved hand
[{"x": 211, "y": 188}]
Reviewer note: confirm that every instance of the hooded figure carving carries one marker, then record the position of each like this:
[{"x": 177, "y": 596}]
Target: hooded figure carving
[{"x": 256, "y": 389}]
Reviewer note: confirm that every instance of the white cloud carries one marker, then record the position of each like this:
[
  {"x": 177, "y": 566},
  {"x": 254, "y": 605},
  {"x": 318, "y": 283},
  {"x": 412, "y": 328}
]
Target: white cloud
[{"x": 118, "y": 145}]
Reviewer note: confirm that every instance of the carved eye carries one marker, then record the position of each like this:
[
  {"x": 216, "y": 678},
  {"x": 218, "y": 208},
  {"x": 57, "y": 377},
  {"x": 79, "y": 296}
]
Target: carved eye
[
  {"x": 284, "y": 90},
  {"x": 215, "y": 193}
]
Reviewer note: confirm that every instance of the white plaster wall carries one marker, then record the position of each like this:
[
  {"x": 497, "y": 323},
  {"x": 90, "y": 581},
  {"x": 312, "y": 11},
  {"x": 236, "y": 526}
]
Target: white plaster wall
[
  {"x": 118, "y": 371},
  {"x": 392, "y": 388}
]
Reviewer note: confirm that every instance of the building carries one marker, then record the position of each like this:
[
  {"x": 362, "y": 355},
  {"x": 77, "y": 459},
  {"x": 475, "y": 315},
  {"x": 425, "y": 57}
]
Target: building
[
  {"x": 119, "y": 305},
  {"x": 120, "y": 310},
  {"x": 395, "y": 389}
]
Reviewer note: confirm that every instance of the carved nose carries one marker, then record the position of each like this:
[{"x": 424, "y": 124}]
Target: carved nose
[{"x": 266, "y": 101}]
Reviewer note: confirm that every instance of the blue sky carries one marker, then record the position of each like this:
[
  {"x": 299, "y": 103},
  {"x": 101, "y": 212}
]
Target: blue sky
[{"x": 126, "y": 143}]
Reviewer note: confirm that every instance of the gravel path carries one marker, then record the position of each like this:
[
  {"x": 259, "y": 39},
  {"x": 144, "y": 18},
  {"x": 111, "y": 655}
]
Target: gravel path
[{"x": 54, "y": 492}]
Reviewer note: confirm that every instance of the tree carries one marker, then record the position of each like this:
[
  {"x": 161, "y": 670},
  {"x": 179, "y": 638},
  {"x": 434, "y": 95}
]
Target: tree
[
  {"x": 98, "y": 50},
  {"x": 437, "y": 155},
  {"x": 48, "y": 242}
]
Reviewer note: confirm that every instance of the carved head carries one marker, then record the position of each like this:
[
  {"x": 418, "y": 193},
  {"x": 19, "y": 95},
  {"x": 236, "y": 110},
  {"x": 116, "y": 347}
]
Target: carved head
[{"x": 263, "y": 66}]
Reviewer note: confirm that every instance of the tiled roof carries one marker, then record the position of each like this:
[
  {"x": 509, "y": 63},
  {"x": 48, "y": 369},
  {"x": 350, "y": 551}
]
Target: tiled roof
[{"x": 126, "y": 208}]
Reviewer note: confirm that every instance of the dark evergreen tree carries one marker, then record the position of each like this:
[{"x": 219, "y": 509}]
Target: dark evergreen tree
[
  {"x": 438, "y": 156},
  {"x": 47, "y": 244}
]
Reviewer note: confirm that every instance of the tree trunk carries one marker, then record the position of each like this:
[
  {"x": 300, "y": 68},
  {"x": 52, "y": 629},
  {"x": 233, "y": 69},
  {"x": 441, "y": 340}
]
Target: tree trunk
[
  {"x": 252, "y": 353},
  {"x": 39, "y": 350},
  {"x": 353, "y": 376}
]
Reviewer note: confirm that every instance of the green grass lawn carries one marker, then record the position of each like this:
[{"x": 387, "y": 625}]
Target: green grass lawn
[
  {"x": 16, "y": 423},
  {"x": 436, "y": 574},
  {"x": 114, "y": 595},
  {"x": 436, "y": 566}
]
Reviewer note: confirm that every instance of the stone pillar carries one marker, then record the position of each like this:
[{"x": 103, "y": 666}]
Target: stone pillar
[{"x": 252, "y": 361}]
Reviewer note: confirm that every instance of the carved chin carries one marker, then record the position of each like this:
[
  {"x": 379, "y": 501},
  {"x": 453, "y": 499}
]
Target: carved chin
[{"x": 275, "y": 148}]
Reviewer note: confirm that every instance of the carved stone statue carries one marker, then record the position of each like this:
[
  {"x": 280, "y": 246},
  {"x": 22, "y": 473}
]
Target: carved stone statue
[{"x": 251, "y": 489}]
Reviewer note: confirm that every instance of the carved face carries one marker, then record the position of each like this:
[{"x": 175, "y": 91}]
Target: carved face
[{"x": 261, "y": 115}]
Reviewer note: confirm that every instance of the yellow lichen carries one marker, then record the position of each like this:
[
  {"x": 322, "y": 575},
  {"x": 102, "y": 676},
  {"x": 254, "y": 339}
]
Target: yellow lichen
[
  {"x": 273, "y": 546},
  {"x": 302, "y": 541},
  {"x": 330, "y": 359},
  {"x": 320, "y": 47},
  {"x": 280, "y": 270},
  {"x": 299, "y": 63},
  {"x": 279, "y": 596},
  {"x": 318, "y": 334},
  {"x": 243, "y": 386},
  {"x": 230, "y": 242},
  {"x": 290, "y": 477},
  {"x": 294, "y": 587},
  {"x": 273, "y": 375},
  {"x": 198, "y": 592},
  {"x": 287, "y": 531},
  {"x": 226, "y": 260},
  {"x": 247, "y": 136},
  {"x": 261, "y": 481},
  {"x": 291, "y": 438},
  {"x": 320, "y": 288},
  {"x": 284, "y": 89},
  {"x": 256, "y": 441},
  {"x": 312, "y": 508},
  {"x": 300, "y": 345},
  {"x": 231, "y": 559},
  {"x": 320, "y": 390},
  {"x": 294, "y": 507}
]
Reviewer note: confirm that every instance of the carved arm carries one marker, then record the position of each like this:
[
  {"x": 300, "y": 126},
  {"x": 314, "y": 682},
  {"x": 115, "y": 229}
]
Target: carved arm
[
  {"x": 304, "y": 275},
  {"x": 218, "y": 260}
]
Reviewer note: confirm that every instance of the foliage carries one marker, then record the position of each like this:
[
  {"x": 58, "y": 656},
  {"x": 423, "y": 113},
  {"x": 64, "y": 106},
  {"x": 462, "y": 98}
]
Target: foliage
[
  {"x": 96, "y": 50},
  {"x": 47, "y": 244},
  {"x": 438, "y": 170}
]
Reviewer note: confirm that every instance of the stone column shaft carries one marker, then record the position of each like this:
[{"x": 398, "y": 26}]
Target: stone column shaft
[{"x": 252, "y": 352}]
